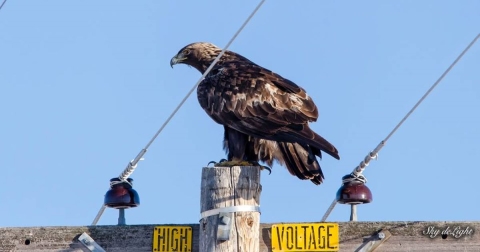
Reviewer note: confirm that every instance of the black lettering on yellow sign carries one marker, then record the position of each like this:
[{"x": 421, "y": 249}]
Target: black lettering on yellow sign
[
  {"x": 313, "y": 237},
  {"x": 171, "y": 239}
]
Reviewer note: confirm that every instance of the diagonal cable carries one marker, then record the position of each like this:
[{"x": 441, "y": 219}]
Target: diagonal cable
[
  {"x": 373, "y": 154},
  {"x": 133, "y": 164},
  {"x": 3, "y": 3}
]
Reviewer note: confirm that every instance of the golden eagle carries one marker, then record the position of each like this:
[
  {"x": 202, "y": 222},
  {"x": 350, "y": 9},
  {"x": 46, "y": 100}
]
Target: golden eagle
[{"x": 265, "y": 116}]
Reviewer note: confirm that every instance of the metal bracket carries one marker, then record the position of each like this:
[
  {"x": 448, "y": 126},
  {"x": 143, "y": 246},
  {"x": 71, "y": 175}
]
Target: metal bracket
[
  {"x": 88, "y": 242},
  {"x": 225, "y": 216},
  {"x": 373, "y": 242},
  {"x": 230, "y": 209},
  {"x": 224, "y": 226}
]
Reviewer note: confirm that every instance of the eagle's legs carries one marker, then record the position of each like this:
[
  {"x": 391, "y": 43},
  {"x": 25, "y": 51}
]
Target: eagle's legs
[{"x": 226, "y": 163}]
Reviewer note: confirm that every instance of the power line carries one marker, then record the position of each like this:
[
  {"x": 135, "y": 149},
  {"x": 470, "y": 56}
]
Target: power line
[
  {"x": 4, "y": 1},
  {"x": 133, "y": 164},
  {"x": 372, "y": 155}
]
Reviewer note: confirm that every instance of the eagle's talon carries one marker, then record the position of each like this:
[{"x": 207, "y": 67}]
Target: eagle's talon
[
  {"x": 263, "y": 167},
  {"x": 215, "y": 163}
]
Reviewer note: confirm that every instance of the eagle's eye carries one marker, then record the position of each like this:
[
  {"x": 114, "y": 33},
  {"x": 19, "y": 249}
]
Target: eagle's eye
[{"x": 186, "y": 52}]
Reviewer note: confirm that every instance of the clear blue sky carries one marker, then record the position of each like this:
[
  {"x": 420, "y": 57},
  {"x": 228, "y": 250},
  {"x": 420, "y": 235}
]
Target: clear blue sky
[{"x": 86, "y": 84}]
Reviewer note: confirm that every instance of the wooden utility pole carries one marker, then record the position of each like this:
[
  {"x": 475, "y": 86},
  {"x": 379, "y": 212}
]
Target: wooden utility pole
[{"x": 230, "y": 200}]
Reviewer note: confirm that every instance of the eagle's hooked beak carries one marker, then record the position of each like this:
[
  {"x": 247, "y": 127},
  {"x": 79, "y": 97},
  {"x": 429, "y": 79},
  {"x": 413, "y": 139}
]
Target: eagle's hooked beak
[{"x": 177, "y": 59}]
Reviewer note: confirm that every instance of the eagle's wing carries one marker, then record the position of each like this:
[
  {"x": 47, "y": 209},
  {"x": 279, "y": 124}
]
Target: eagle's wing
[
  {"x": 260, "y": 103},
  {"x": 239, "y": 91}
]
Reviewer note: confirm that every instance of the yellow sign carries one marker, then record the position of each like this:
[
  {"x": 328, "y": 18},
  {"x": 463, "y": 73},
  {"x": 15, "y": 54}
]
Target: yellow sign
[
  {"x": 172, "y": 238},
  {"x": 305, "y": 237}
]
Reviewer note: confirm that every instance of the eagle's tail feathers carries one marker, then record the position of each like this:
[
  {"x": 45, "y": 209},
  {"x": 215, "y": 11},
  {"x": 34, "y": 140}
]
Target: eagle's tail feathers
[
  {"x": 316, "y": 142},
  {"x": 297, "y": 159}
]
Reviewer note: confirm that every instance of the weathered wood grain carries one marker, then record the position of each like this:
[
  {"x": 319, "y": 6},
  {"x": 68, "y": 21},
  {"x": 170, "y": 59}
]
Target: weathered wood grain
[
  {"x": 225, "y": 187},
  {"x": 236, "y": 187},
  {"x": 406, "y": 236}
]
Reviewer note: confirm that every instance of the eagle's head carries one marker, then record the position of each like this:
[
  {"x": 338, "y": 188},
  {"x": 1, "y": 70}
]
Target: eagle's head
[{"x": 199, "y": 55}]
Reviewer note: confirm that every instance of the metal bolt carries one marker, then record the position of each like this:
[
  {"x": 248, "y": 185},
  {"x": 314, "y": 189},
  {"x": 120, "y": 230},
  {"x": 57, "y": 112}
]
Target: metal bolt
[{"x": 381, "y": 235}]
